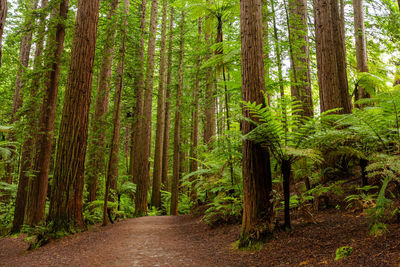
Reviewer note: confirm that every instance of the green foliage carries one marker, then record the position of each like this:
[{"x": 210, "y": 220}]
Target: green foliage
[
  {"x": 343, "y": 252},
  {"x": 224, "y": 209},
  {"x": 8, "y": 193}
]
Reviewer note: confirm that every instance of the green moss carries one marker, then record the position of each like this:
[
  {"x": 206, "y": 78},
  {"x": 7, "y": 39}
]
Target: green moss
[{"x": 343, "y": 252}]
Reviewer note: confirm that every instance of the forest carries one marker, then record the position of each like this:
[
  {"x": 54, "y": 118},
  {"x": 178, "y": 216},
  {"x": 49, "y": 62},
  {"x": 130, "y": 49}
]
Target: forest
[{"x": 200, "y": 132}]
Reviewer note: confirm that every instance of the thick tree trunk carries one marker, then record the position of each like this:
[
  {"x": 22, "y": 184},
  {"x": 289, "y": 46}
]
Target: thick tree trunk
[
  {"x": 195, "y": 119},
  {"x": 361, "y": 44},
  {"x": 44, "y": 140},
  {"x": 67, "y": 189},
  {"x": 142, "y": 166},
  {"x": 257, "y": 182},
  {"x": 3, "y": 16},
  {"x": 158, "y": 153},
  {"x": 31, "y": 124},
  {"x": 300, "y": 55},
  {"x": 210, "y": 98},
  {"x": 286, "y": 169},
  {"x": 164, "y": 175},
  {"x": 177, "y": 135},
  {"x": 139, "y": 83},
  {"x": 112, "y": 175},
  {"x": 331, "y": 59},
  {"x": 24, "y": 53},
  {"x": 97, "y": 149}
]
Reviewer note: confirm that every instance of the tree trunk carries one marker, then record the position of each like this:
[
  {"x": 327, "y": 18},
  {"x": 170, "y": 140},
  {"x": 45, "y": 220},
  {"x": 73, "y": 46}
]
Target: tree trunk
[
  {"x": 361, "y": 44},
  {"x": 157, "y": 169},
  {"x": 177, "y": 135},
  {"x": 164, "y": 175},
  {"x": 286, "y": 169},
  {"x": 44, "y": 139},
  {"x": 97, "y": 149},
  {"x": 31, "y": 124},
  {"x": 210, "y": 99},
  {"x": 142, "y": 166},
  {"x": 300, "y": 55},
  {"x": 112, "y": 175},
  {"x": 67, "y": 189},
  {"x": 257, "y": 182},
  {"x": 331, "y": 59},
  {"x": 3, "y": 16},
  {"x": 195, "y": 119},
  {"x": 139, "y": 83},
  {"x": 24, "y": 53}
]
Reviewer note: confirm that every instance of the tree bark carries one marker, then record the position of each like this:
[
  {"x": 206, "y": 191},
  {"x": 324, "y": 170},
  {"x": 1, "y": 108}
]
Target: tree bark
[
  {"x": 177, "y": 134},
  {"x": 157, "y": 169},
  {"x": 361, "y": 44},
  {"x": 142, "y": 168},
  {"x": 300, "y": 55},
  {"x": 195, "y": 118},
  {"x": 67, "y": 189},
  {"x": 112, "y": 175},
  {"x": 139, "y": 83},
  {"x": 164, "y": 175},
  {"x": 3, "y": 16},
  {"x": 31, "y": 124},
  {"x": 210, "y": 99},
  {"x": 97, "y": 148},
  {"x": 44, "y": 139},
  {"x": 257, "y": 182},
  {"x": 331, "y": 59}
]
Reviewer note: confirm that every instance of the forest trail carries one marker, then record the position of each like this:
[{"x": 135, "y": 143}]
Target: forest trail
[
  {"x": 187, "y": 241},
  {"x": 145, "y": 241}
]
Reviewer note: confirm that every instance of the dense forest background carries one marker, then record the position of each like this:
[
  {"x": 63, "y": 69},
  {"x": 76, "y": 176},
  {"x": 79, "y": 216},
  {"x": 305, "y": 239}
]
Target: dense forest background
[{"x": 244, "y": 111}]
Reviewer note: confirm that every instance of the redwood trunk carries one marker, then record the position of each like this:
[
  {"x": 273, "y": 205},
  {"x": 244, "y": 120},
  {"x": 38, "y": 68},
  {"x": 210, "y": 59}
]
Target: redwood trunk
[
  {"x": 112, "y": 176},
  {"x": 300, "y": 56},
  {"x": 157, "y": 169},
  {"x": 361, "y": 44},
  {"x": 177, "y": 134},
  {"x": 67, "y": 189},
  {"x": 139, "y": 83},
  {"x": 331, "y": 58},
  {"x": 257, "y": 182},
  {"x": 3, "y": 16},
  {"x": 142, "y": 166},
  {"x": 97, "y": 149},
  {"x": 164, "y": 178},
  {"x": 44, "y": 139},
  {"x": 27, "y": 148}
]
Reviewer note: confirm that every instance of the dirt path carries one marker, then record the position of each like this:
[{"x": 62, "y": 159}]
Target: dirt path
[
  {"x": 186, "y": 241},
  {"x": 146, "y": 241}
]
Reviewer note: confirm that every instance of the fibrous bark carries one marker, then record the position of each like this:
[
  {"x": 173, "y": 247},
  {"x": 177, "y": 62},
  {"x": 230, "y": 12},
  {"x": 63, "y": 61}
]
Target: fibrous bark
[
  {"x": 67, "y": 187},
  {"x": 142, "y": 166},
  {"x": 177, "y": 133},
  {"x": 257, "y": 182},
  {"x": 97, "y": 149},
  {"x": 157, "y": 169},
  {"x": 3, "y": 16}
]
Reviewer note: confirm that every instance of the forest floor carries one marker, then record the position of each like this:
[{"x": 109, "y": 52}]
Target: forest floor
[{"x": 187, "y": 241}]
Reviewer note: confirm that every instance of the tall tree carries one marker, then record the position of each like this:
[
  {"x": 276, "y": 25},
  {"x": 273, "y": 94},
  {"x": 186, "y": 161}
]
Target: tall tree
[
  {"x": 139, "y": 89},
  {"x": 210, "y": 98},
  {"x": 44, "y": 139},
  {"x": 361, "y": 44},
  {"x": 195, "y": 115},
  {"x": 300, "y": 55},
  {"x": 30, "y": 112},
  {"x": 142, "y": 166},
  {"x": 177, "y": 133},
  {"x": 112, "y": 174},
  {"x": 3, "y": 16},
  {"x": 164, "y": 175},
  {"x": 157, "y": 169},
  {"x": 331, "y": 57},
  {"x": 67, "y": 188},
  {"x": 97, "y": 149},
  {"x": 257, "y": 182}
]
